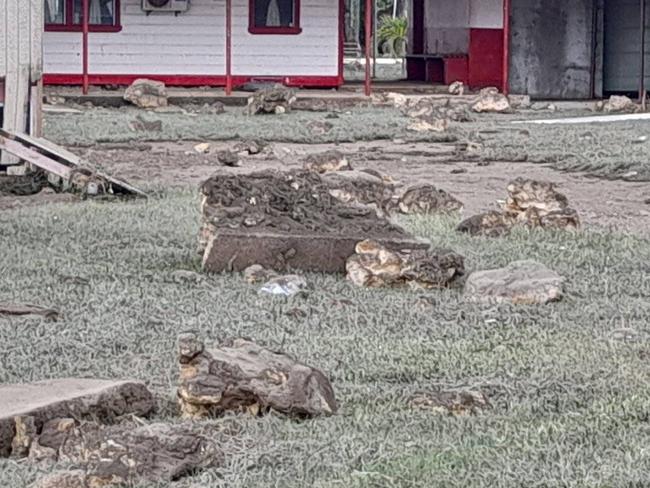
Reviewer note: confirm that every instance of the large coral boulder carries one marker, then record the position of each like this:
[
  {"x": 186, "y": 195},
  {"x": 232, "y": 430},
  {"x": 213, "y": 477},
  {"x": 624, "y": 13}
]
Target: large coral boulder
[
  {"x": 241, "y": 375},
  {"x": 146, "y": 93},
  {"x": 426, "y": 200},
  {"x": 272, "y": 100},
  {"x": 490, "y": 100},
  {"x": 375, "y": 266},
  {"x": 521, "y": 282}
]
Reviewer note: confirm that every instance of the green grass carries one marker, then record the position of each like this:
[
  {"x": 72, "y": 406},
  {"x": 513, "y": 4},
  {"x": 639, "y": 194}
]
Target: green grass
[{"x": 567, "y": 382}]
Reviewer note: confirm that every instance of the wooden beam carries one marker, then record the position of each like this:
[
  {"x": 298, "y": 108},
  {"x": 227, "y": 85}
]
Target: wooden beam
[{"x": 35, "y": 158}]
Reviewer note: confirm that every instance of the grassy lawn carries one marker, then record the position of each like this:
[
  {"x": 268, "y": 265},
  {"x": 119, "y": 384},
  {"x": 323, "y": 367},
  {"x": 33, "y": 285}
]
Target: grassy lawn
[{"x": 567, "y": 383}]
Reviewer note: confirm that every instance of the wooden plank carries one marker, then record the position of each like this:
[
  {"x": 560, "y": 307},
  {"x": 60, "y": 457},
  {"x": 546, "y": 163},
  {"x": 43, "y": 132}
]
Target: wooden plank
[
  {"x": 36, "y": 109},
  {"x": 35, "y": 158},
  {"x": 37, "y": 22},
  {"x": 64, "y": 157},
  {"x": 10, "y": 113}
]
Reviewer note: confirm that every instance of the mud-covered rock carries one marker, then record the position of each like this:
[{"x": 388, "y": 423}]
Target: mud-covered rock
[
  {"x": 457, "y": 88},
  {"x": 128, "y": 454},
  {"x": 327, "y": 162},
  {"x": 521, "y": 282},
  {"x": 243, "y": 376},
  {"x": 146, "y": 93},
  {"x": 79, "y": 398},
  {"x": 256, "y": 273},
  {"x": 229, "y": 158},
  {"x": 273, "y": 100},
  {"x": 619, "y": 104},
  {"x": 360, "y": 188},
  {"x": 250, "y": 146},
  {"x": 375, "y": 266},
  {"x": 490, "y": 100},
  {"x": 426, "y": 200},
  {"x": 539, "y": 204}
]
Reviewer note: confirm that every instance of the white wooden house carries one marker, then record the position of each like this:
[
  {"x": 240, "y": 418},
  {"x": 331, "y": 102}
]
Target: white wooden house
[{"x": 188, "y": 42}]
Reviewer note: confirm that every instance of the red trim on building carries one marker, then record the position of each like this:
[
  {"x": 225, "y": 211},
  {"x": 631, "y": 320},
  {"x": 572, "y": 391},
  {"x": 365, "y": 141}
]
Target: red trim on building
[
  {"x": 289, "y": 30},
  {"x": 193, "y": 80},
  {"x": 341, "y": 42},
  {"x": 485, "y": 58},
  {"x": 70, "y": 26}
]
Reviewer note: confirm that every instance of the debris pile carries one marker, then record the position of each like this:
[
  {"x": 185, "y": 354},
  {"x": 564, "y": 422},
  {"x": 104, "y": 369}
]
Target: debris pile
[
  {"x": 521, "y": 282},
  {"x": 530, "y": 203},
  {"x": 273, "y": 100},
  {"x": 243, "y": 376},
  {"x": 283, "y": 220},
  {"x": 374, "y": 266},
  {"x": 145, "y": 93}
]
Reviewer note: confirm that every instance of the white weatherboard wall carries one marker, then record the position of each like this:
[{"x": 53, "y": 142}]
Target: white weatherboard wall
[{"x": 194, "y": 43}]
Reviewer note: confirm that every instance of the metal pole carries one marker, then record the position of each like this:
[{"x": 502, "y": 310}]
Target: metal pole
[
  {"x": 505, "y": 87},
  {"x": 642, "y": 34},
  {"x": 84, "y": 30},
  {"x": 368, "y": 26},
  {"x": 374, "y": 40},
  {"x": 228, "y": 47}
]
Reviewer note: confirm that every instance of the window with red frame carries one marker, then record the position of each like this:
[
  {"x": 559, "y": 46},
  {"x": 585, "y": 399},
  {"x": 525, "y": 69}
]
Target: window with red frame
[
  {"x": 274, "y": 17},
  {"x": 67, "y": 15}
]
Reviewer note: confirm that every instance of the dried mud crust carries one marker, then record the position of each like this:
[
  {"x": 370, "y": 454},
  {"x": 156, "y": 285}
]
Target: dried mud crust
[{"x": 287, "y": 202}]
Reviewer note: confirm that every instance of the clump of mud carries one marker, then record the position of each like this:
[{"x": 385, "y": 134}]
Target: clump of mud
[{"x": 29, "y": 184}]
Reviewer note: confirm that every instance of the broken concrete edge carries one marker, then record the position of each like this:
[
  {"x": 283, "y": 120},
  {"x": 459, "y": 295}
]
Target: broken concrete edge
[
  {"x": 69, "y": 398},
  {"x": 232, "y": 250}
]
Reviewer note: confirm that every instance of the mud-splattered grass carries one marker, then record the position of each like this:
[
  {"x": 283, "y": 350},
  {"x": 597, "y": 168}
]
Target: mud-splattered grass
[{"x": 567, "y": 382}]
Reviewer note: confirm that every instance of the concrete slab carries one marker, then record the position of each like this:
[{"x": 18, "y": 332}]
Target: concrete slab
[
  {"x": 72, "y": 398},
  {"x": 236, "y": 250}
]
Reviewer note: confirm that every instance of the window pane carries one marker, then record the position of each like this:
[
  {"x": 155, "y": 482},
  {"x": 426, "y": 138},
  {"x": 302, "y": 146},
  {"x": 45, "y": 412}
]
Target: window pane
[
  {"x": 274, "y": 13},
  {"x": 54, "y": 11},
  {"x": 100, "y": 12}
]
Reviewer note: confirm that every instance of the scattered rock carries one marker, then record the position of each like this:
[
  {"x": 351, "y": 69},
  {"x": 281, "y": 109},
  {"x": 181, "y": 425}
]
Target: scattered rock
[
  {"x": 375, "y": 266},
  {"x": 273, "y": 100},
  {"x": 229, "y": 158},
  {"x": 186, "y": 276},
  {"x": 55, "y": 100},
  {"x": 490, "y": 100},
  {"x": 619, "y": 104},
  {"x": 250, "y": 146},
  {"x": 140, "y": 124},
  {"x": 458, "y": 171},
  {"x": 319, "y": 127},
  {"x": 243, "y": 376},
  {"x": 203, "y": 148},
  {"x": 457, "y": 88},
  {"x": 520, "y": 101},
  {"x": 79, "y": 398},
  {"x": 287, "y": 285},
  {"x": 118, "y": 455},
  {"x": 426, "y": 200},
  {"x": 434, "y": 125},
  {"x": 327, "y": 161},
  {"x": 146, "y": 93},
  {"x": 361, "y": 189},
  {"x": 530, "y": 203},
  {"x": 457, "y": 403},
  {"x": 521, "y": 282},
  {"x": 489, "y": 224},
  {"x": 258, "y": 274}
]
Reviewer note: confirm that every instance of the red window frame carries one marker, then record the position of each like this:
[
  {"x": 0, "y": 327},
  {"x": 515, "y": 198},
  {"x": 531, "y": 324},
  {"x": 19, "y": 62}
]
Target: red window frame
[
  {"x": 69, "y": 26},
  {"x": 293, "y": 30}
]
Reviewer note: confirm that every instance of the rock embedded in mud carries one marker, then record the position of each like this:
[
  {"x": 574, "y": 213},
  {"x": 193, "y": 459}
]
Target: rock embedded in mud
[
  {"x": 620, "y": 104},
  {"x": 490, "y": 100},
  {"x": 119, "y": 455},
  {"x": 258, "y": 274},
  {"x": 146, "y": 93},
  {"x": 457, "y": 88},
  {"x": 79, "y": 398},
  {"x": 375, "y": 266},
  {"x": 327, "y": 162},
  {"x": 243, "y": 376},
  {"x": 274, "y": 100},
  {"x": 427, "y": 200},
  {"x": 250, "y": 146},
  {"x": 521, "y": 282},
  {"x": 456, "y": 403},
  {"x": 229, "y": 158}
]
